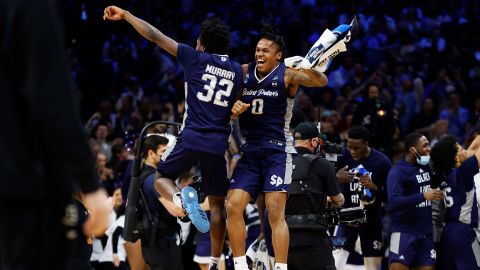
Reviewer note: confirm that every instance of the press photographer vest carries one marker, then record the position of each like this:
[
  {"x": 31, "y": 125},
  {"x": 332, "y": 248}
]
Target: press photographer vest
[
  {"x": 306, "y": 183},
  {"x": 150, "y": 224}
]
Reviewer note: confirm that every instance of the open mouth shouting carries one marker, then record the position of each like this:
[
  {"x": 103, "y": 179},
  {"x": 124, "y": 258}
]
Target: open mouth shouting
[{"x": 261, "y": 63}]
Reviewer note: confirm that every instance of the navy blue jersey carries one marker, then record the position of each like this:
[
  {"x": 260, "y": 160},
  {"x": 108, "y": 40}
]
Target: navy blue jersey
[
  {"x": 410, "y": 212},
  {"x": 266, "y": 123},
  {"x": 461, "y": 200},
  {"x": 211, "y": 85},
  {"x": 376, "y": 163}
]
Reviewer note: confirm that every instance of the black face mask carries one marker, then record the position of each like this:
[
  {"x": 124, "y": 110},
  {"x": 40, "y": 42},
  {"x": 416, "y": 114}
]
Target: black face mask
[{"x": 330, "y": 134}]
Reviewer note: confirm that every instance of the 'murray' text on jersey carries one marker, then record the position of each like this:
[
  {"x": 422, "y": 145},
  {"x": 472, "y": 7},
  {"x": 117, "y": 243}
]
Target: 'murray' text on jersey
[{"x": 220, "y": 72}]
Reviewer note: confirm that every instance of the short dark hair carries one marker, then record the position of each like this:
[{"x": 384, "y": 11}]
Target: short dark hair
[
  {"x": 215, "y": 36},
  {"x": 359, "y": 133},
  {"x": 152, "y": 142},
  {"x": 269, "y": 33},
  {"x": 411, "y": 139},
  {"x": 443, "y": 154}
]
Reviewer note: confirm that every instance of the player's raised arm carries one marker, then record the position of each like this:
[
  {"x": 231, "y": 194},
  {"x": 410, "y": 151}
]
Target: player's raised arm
[
  {"x": 306, "y": 77},
  {"x": 145, "y": 29}
]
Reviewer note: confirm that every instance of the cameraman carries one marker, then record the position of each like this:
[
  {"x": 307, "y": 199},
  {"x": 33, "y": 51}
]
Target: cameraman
[
  {"x": 313, "y": 179},
  {"x": 159, "y": 246},
  {"x": 360, "y": 153}
]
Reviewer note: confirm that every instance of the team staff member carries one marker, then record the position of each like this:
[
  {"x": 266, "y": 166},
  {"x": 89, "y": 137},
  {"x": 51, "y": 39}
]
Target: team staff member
[
  {"x": 313, "y": 180},
  {"x": 409, "y": 198},
  {"x": 359, "y": 152}
]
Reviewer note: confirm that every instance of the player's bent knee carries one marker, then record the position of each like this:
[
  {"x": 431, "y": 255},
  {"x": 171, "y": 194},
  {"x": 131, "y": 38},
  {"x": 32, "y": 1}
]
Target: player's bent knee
[
  {"x": 233, "y": 209},
  {"x": 275, "y": 212}
]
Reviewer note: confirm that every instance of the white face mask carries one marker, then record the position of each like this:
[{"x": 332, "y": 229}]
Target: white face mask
[{"x": 422, "y": 160}]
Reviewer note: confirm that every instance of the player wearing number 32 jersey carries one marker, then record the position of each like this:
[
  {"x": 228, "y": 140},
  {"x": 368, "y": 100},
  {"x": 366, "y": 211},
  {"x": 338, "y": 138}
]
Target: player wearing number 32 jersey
[{"x": 212, "y": 82}]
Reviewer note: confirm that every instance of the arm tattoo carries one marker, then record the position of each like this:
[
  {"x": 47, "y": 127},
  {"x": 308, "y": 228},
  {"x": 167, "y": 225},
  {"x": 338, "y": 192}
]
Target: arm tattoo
[
  {"x": 307, "y": 77},
  {"x": 301, "y": 78}
]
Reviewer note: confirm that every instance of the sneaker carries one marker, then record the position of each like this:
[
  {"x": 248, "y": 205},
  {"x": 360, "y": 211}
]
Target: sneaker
[
  {"x": 213, "y": 266},
  {"x": 194, "y": 212}
]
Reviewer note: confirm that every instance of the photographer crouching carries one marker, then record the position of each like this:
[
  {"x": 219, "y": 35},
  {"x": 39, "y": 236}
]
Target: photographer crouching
[{"x": 313, "y": 180}]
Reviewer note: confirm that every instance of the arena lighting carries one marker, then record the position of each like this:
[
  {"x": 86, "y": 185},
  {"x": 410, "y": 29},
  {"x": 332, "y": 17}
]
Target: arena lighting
[{"x": 381, "y": 113}]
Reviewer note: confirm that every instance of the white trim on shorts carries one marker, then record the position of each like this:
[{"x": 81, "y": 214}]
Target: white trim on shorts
[
  {"x": 395, "y": 242},
  {"x": 288, "y": 169},
  {"x": 169, "y": 149},
  {"x": 476, "y": 251},
  {"x": 205, "y": 259}
]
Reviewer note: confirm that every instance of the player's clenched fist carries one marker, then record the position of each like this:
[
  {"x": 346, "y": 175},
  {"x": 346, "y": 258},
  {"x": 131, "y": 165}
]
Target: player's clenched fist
[
  {"x": 113, "y": 13},
  {"x": 433, "y": 195},
  {"x": 239, "y": 108}
]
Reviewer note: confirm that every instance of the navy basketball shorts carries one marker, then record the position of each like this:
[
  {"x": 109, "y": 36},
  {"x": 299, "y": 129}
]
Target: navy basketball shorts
[
  {"x": 412, "y": 250},
  {"x": 178, "y": 159},
  {"x": 370, "y": 238},
  {"x": 266, "y": 170},
  {"x": 460, "y": 247},
  {"x": 203, "y": 248}
]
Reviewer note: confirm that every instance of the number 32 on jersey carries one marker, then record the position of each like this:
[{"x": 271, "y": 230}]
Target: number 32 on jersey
[{"x": 210, "y": 88}]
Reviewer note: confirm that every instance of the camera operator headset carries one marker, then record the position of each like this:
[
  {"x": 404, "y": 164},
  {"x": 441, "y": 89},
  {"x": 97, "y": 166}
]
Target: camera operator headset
[
  {"x": 313, "y": 179},
  {"x": 362, "y": 168}
]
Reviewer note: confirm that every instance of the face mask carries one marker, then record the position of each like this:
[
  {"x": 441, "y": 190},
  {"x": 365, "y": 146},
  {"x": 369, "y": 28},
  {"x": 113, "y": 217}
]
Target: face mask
[
  {"x": 316, "y": 150},
  {"x": 422, "y": 160}
]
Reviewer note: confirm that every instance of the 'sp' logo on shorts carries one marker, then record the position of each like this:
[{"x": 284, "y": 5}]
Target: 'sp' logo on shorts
[{"x": 276, "y": 180}]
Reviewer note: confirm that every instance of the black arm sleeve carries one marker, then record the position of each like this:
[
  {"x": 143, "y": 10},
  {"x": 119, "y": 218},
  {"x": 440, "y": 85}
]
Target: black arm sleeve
[
  {"x": 33, "y": 55},
  {"x": 115, "y": 236},
  {"x": 326, "y": 171}
]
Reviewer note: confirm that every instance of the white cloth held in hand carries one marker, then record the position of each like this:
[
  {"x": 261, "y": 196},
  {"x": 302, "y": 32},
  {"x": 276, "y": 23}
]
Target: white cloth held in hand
[{"x": 322, "y": 52}]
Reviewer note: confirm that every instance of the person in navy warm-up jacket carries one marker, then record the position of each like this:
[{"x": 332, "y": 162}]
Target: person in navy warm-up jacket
[{"x": 409, "y": 197}]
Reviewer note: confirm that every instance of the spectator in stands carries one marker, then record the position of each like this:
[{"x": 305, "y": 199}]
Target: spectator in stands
[{"x": 100, "y": 138}]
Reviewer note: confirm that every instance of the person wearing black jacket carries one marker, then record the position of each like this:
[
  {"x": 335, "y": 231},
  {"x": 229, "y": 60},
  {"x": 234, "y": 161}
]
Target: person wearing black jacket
[
  {"x": 377, "y": 116},
  {"x": 313, "y": 180},
  {"x": 43, "y": 149}
]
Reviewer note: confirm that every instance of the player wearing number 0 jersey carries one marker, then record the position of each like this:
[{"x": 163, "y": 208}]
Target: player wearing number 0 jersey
[
  {"x": 266, "y": 163},
  {"x": 266, "y": 124},
  {"x": 212, "y": 82},
  {"x": 460, "y": 247}
]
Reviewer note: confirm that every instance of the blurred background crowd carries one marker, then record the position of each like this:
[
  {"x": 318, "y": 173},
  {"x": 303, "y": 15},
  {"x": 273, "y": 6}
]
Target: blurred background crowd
[{"x": 414, "y": 66}]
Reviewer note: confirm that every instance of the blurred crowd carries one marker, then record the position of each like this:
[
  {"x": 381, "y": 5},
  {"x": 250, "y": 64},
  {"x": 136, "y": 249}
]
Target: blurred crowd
[{"x": 414, "y": 66}]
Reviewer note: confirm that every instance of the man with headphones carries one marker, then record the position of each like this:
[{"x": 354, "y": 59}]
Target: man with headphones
[{"x": 313, "y": 181}]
